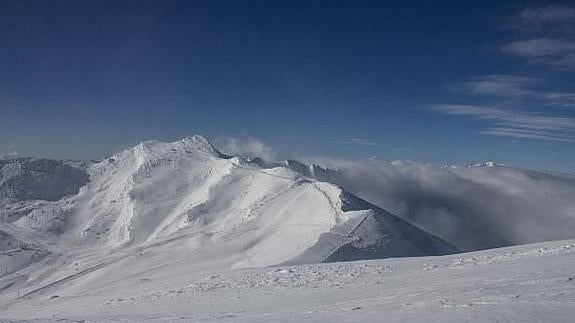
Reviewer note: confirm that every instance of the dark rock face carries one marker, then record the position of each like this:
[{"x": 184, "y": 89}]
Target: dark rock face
[{"x": 39, "y": 179}]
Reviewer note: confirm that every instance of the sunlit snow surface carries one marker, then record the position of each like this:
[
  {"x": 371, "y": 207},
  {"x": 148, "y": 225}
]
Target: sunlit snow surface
[{"x": 531, "y": 283}]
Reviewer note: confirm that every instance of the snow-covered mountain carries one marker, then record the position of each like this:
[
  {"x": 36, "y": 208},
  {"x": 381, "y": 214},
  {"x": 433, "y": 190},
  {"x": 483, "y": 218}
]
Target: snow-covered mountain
[
  {"x": 165, "y": 224},
  {"x": 181, "y": 202}
]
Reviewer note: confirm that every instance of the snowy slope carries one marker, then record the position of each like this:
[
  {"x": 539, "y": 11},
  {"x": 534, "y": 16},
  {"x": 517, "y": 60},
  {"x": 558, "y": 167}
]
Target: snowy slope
[
  {"x": 188, "y": 190},
  {"x": 530, "y": 283},
  {"x": 186, "y": 207}
]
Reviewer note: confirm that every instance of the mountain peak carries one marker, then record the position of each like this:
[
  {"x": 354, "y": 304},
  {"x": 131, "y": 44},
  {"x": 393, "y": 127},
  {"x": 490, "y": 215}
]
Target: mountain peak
[
  {"x": 487, "y": 163},
  {"x": 200, "y": 142},
  {"x": 197, "y": 140},
  {"x": 188, "y": 144}
]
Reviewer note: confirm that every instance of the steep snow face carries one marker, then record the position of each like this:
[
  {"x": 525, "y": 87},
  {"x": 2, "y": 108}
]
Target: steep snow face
[
  {"x": 145, "y": 191},
  {"x": 373, "y": 234}
]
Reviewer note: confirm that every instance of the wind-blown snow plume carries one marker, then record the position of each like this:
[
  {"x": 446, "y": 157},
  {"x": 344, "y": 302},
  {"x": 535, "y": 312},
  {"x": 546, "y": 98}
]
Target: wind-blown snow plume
[
  {"x": 10, "y": 154},
  {"x": 245, "y": 147},
  {"x": 10, "y": 151}
]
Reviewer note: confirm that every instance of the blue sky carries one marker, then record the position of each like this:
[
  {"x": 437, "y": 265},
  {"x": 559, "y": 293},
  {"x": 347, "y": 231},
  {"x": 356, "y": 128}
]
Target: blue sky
[{"x": 450, "y": 81}]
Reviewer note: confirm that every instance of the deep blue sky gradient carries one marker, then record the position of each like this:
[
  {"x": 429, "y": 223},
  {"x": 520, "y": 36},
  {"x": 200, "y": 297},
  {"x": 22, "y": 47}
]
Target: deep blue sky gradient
[{"x": 81, "y": 79}]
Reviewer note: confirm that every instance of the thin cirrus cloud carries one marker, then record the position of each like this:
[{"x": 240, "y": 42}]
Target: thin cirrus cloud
[
  {"x": 557, "y": 48},
  {"x": 558, "y": 54},
  {"x": 552, "y": 14},
  {"x": 518, "y": 88},
  {"x": 358, "y": 142},
  {"x": 525, "y": 133},
  {"x": 540, "y": 47},
  {"x": 528, "y": 101},
  {"x": 500, "y": 85},
  {"x": 517, "y": 124},
  {"x": 560, "y": 99}
]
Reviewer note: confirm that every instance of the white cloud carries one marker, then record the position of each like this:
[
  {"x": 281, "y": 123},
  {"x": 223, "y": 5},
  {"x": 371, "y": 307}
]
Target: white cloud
[
  {"x": 9, "y": 155},
  {"x": 540, "y": 47},
  {"x": 542, "y": 20},
  {"x": 556, "y": 48},
  {"x": 564, "y": 63},
  {"x": 526, "y": 133},
  {"x": 450, "y": 202},
  {"x": 518, "y": 124},
  {"x": 558, "y": 54},
  {"x": 244, "y": 146},
  {"x": 357, "y": 142},
  {"x": 501, "y": 85},
  {"x": 560, "y": 99},
  {"x": 529, "y": 89},
  {"x": 9, "y": 152},
  {"x": 515, "y": 118},
  {"x": 551, "y": 47},
  {"x": 552, "y": 14}
]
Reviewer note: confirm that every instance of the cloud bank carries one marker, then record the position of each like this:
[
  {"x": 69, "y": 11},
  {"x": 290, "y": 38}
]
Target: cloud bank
[{"x": 470, "y": 207}]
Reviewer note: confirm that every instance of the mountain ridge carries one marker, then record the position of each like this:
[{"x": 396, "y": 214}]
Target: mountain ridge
[{"x": 185, "y": 203}]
